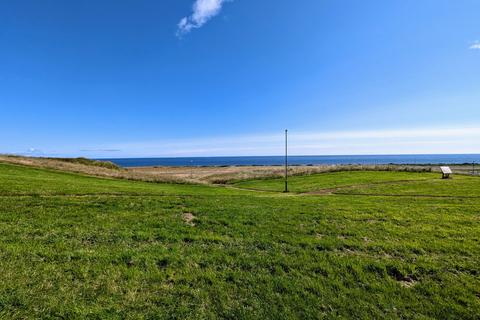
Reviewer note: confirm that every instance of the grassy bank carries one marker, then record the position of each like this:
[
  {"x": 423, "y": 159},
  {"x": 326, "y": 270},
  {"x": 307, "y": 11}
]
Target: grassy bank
[
  {"x": 75, "y": 246},
  {"x": 194, "y": 174}
]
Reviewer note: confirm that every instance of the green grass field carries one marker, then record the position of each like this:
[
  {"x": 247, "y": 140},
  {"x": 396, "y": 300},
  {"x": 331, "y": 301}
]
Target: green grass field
[
  {"x": 312, "y": 183},
  {"x": 390, "y": 245}
]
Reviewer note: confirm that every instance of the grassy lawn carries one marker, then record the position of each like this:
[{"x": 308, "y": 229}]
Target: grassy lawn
[
  {"x": 19, "y": 180},
  {"x": 332, "y": 180},
  {"x": 73, "y": 246},
  {"x": 459, "y": 186}
]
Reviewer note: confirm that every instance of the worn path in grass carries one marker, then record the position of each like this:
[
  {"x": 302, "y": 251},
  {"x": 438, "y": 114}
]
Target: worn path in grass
[{"x": 74, "y": 246}]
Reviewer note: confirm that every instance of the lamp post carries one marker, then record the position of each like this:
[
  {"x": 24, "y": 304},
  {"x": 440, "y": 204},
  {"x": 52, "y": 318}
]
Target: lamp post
[{"x": 286, "y": 161}]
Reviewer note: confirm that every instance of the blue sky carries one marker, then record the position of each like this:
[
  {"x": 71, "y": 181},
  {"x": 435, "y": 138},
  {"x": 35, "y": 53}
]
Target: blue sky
[{"x": 112, "y": 78}]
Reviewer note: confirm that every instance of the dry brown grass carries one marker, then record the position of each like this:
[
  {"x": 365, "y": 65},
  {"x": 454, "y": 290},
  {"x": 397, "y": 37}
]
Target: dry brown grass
[
  {"x": 265, "y": 172},
  {"x": 205, "y": 175},
  {"x": 88, "y": 169}
]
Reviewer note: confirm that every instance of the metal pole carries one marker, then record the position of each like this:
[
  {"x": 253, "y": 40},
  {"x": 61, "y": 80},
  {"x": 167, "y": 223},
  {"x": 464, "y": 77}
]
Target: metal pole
[{"x": 286, "y": 161}]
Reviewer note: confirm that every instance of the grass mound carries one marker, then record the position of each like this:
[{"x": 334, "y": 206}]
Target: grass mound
[
  {"x": 88, "y": 167},
  {"x": 89, "y": 162},
  {"x": 272, "y": 172}
]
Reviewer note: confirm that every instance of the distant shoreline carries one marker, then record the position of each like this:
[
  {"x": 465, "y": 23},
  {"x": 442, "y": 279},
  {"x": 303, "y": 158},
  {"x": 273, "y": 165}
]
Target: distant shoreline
[{"x": 260, "y": 161}]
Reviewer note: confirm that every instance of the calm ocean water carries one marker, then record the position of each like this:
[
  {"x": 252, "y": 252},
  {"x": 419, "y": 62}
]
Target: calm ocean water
[{"x": 300, "y": 160}]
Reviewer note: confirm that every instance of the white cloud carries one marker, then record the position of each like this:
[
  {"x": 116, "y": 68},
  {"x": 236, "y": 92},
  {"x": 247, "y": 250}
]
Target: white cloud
[
  {"x": 203, "y": 10},
  {"x": 440, "y": 140},
  {"x": 433, "y": 140},
  {"x": 33, "y": 151},
  {"x": 475, "y": 45}
]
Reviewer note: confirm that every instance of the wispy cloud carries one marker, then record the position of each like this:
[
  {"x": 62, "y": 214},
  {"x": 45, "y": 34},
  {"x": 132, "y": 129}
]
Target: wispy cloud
[
  {"x": 475, "y": 45},
  {"x": 100, "y": 150},
  {"x": 33, "y": 151},
  {"x": 400, "y": 141},
  {"x": 434, "y": 140},
  {"x": 203, "y": 10}
]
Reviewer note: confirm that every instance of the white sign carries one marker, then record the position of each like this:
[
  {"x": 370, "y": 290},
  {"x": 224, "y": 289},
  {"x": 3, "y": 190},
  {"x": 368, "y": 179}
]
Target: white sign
[{"x": 446, "y": 170}]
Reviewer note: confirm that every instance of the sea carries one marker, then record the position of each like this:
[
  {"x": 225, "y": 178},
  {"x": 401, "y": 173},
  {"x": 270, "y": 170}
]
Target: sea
[{"x": 299, "y": 160}]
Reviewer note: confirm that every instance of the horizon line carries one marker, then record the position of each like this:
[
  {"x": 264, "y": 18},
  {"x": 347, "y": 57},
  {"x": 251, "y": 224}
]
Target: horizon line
[{"x": 282, "y": 156}]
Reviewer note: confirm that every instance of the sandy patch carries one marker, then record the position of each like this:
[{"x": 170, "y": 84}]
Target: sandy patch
[{"x": 188, "y": 218}]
